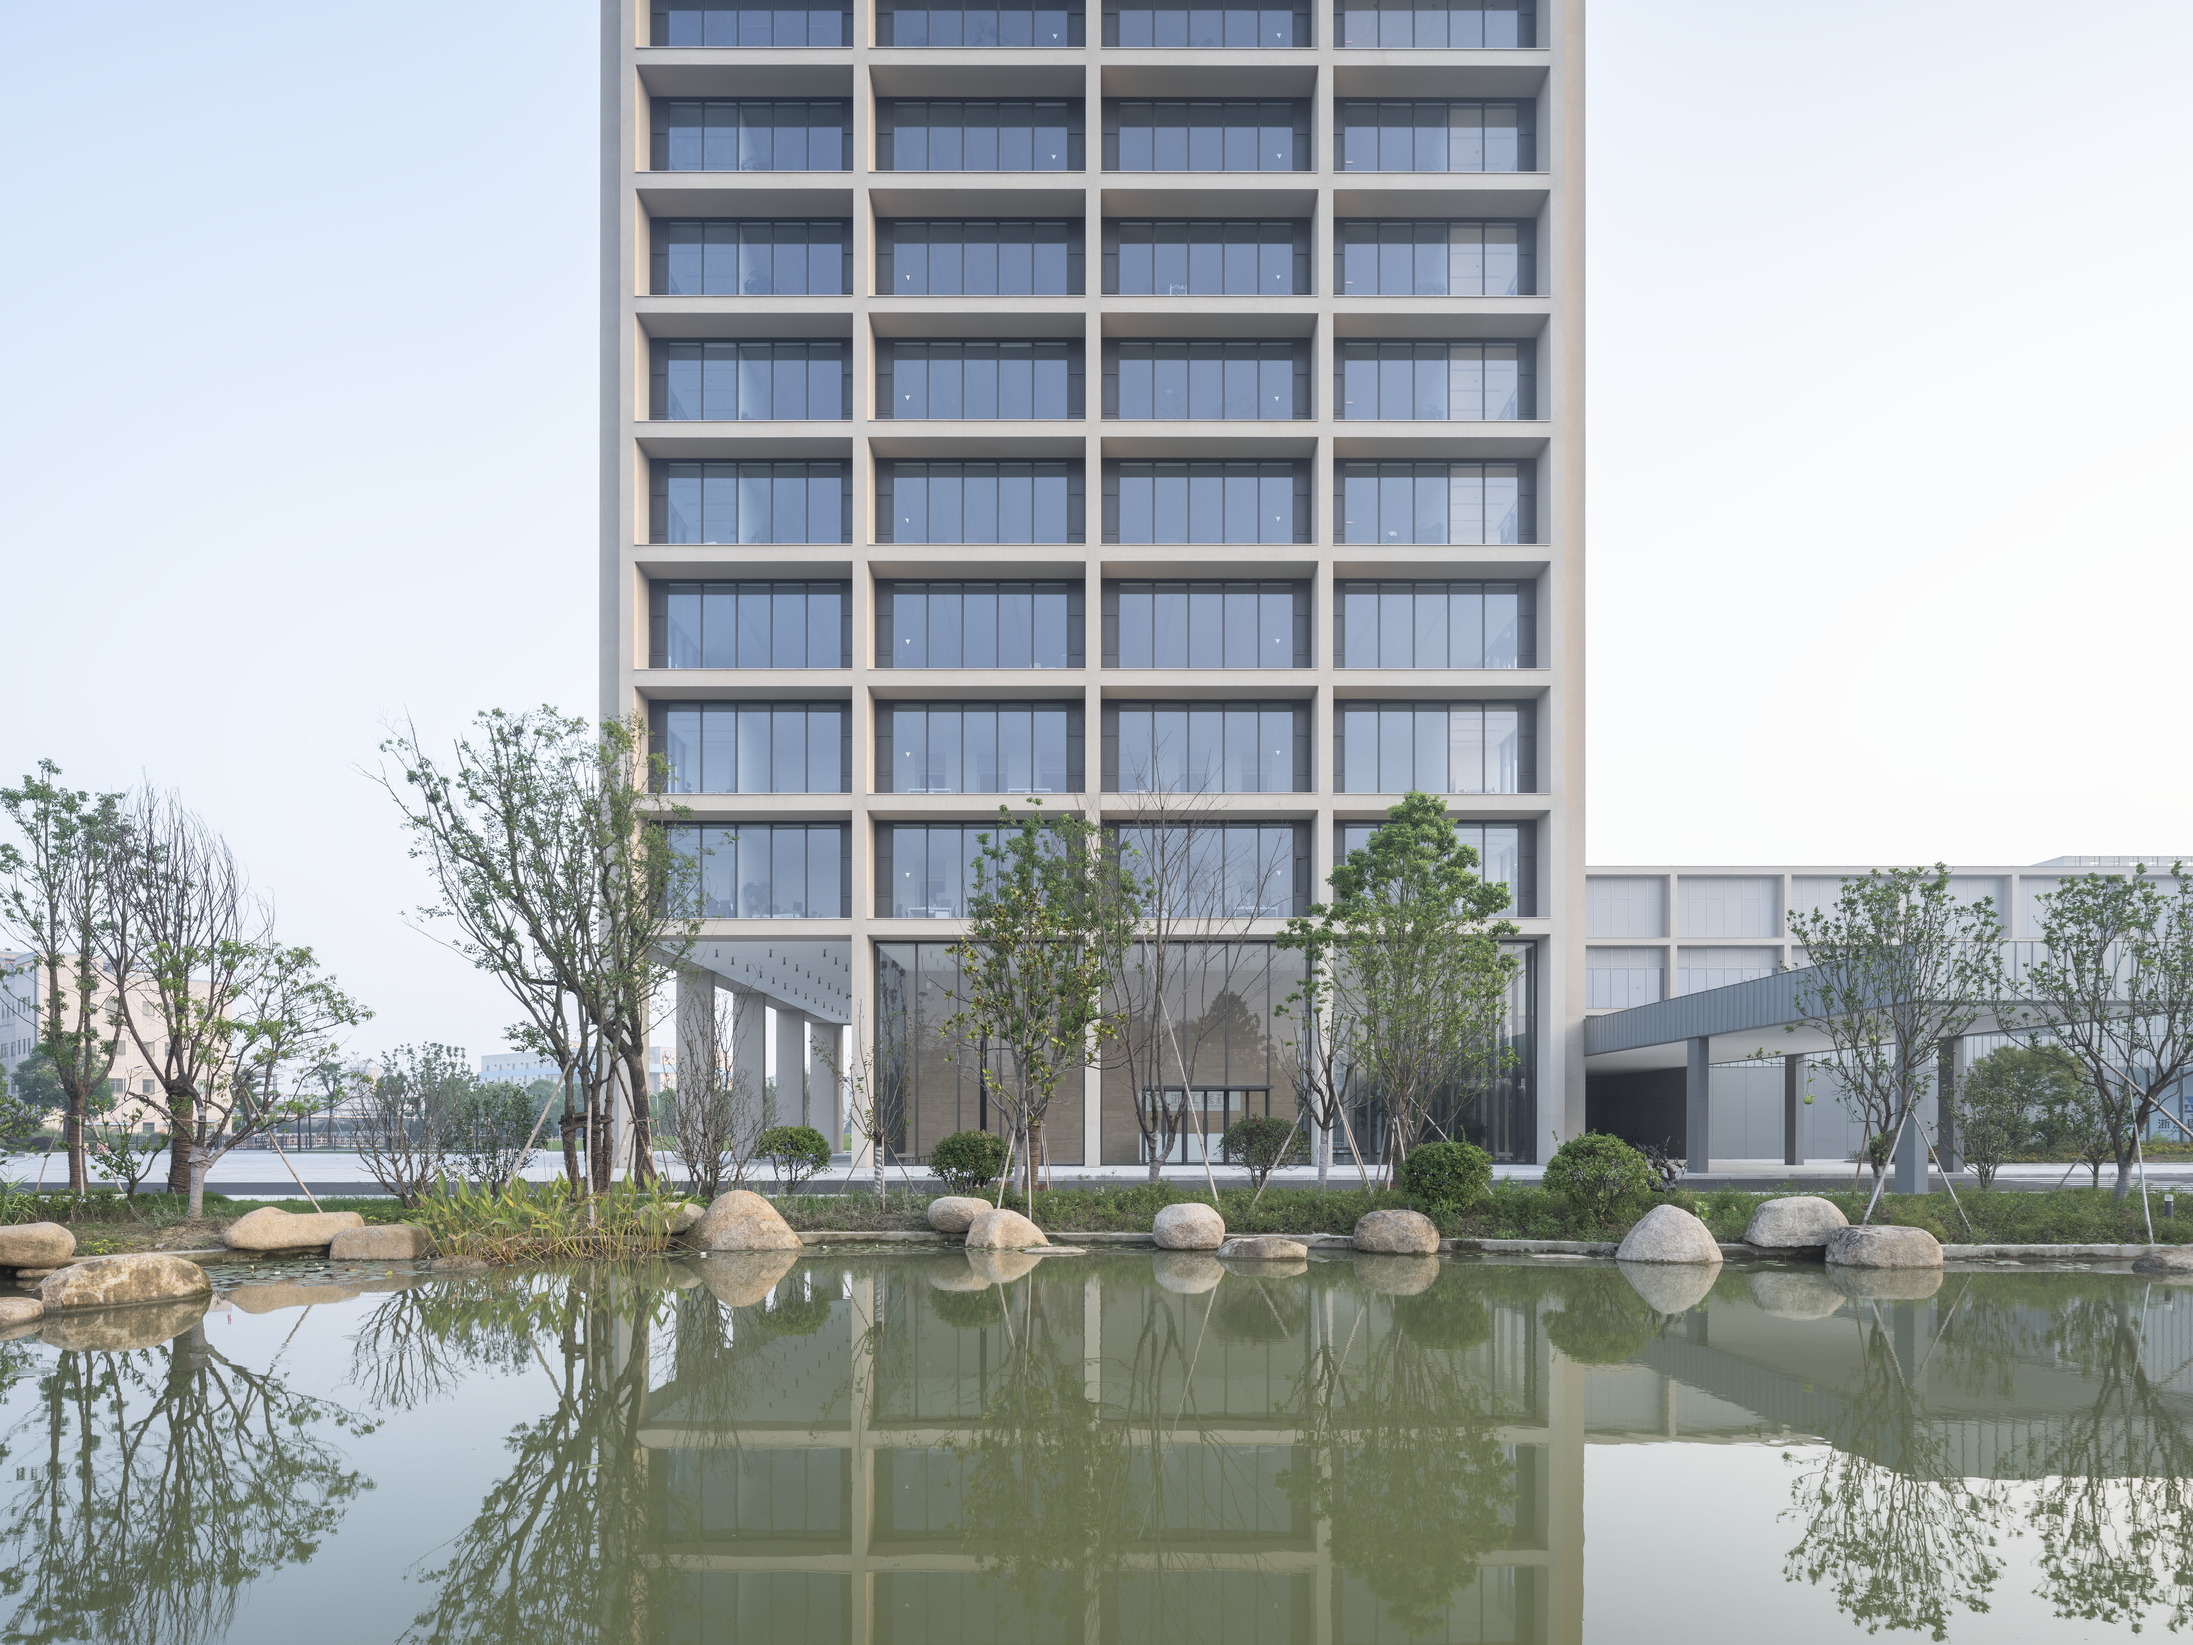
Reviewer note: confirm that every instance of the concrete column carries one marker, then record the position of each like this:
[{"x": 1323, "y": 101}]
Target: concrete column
[
  {"x": 1697, "y": 1096},
  {"x": 749, "y": 1048},
  {"x": 1793, "y": 1107},
  {"x": 824, "y": 1095},
  {"x": 1911, "y": 1157},
  {"x": 791, "y": 1067},
  {"x": 1945, "y": 1102},
  {"x": 696, "y": 1016}
]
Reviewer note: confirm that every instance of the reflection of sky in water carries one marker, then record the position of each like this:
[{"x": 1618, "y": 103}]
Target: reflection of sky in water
[{"x": 836, "y": 1449}]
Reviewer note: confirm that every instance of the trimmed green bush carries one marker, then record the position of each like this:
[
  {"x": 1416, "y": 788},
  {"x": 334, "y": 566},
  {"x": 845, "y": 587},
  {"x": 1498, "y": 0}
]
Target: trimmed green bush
[
  {"x": 795, "y": 1153},
  {"x": 1597, "y": 1174},
  {"x": 1443, "y": 1177},
  {"x": 1261, "y": 1143},
  {"x": 968, "y": 1160}
]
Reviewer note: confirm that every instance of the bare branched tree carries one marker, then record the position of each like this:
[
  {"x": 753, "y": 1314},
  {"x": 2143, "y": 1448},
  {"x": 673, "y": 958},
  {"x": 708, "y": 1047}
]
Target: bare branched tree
[
  {"x": 1196, "y": 885},
  {"x": 717, "y": 1114},
  {"x": 52, "y": 899},
  {"x": 182, "y": 936},
  {"x": 399, "y": 1121}
]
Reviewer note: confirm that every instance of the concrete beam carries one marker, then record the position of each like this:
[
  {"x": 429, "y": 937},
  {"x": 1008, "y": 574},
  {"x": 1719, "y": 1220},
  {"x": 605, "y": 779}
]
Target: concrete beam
[{"x": 1698, "y": 1106}]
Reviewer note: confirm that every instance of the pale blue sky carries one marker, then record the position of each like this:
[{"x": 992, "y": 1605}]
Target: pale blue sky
[{"x": 297, "y": 416}]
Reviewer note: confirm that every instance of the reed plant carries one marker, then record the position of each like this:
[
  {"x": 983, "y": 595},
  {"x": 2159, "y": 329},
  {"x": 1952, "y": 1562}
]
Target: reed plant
[{"x": 548, "y": 1222}]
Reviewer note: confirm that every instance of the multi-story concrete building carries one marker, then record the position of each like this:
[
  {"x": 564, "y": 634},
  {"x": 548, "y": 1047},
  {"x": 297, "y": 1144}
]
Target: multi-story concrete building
[{"x": 1088, "y": 403}]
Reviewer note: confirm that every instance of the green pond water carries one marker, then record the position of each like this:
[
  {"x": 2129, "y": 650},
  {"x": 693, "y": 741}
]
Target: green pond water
[{"x": 844, "y": 1446}]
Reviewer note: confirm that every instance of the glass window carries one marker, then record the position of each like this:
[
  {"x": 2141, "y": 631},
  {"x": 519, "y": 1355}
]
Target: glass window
[
  {"x": 750, "y": 503},
  {"x": 749, "y": 625},
  {"x": 1433, "y": 259},
  {"x": 1504, "y": 855},
  {"x": 780, "y": 23},
  {"x": 1435, "y": 503},
  {"x": 925, "y": 871},
  {"x": 1435, "y": 748},
  {"x": 1206, "y": 502},
  {"x": 779, "y": 871},
  {"x": 1207, "y": 259},
  {"x": 1233, "y": 134},
  {"x": 1494, "y": 25},
  {"x": 933, "y": 134},
  {"x": 1206, "y": 625},
  {"x": 1390, "y": 135},
  {"x": 957, "y": 27},
  {"x": 1035, "y": 502},
  {"x": 979, "y": 625},
  {"x": 943, "y": 258},
  {"x": 979, "y": 748},
  {"x": 751, "y": 381},
  {"x": 1207, "y": 381},
  {"x": 752, "y": 748},
  {"x": 980, "y": 381},
  {"x": 1222, "y": 870},
  {"x": 728, "y": 257},
  {"x": 746, "y": 134},
  {"x": 1436, "y": 625},
  {"x": 1459, "y": 382},
  {"x": 1206, "y": 748},
  {"x": 1173, "y": 23}
]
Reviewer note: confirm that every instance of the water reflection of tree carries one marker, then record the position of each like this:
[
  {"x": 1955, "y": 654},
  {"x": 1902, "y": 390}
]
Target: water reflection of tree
[
  {"x": 2111, "y": 1513},
  {"x": 1410, "y": 1470},
  {"x": 1902, "y": 1542},
  {"x": 172, "y": 1479},
  {"x": 552, "y": 1553}
]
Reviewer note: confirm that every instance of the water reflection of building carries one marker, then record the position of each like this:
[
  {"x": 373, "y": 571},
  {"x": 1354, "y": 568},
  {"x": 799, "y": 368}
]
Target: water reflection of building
[
  {"x": 853, "y": 1500},
  {"x": 1112, "y": 1461}
]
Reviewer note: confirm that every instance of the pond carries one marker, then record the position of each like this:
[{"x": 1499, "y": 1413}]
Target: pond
[{"x": 835, "y": 1446}]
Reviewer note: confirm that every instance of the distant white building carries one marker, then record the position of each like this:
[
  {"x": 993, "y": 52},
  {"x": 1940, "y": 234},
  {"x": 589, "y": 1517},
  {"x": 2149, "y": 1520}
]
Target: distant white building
[{"x": 523, "y": 1068}]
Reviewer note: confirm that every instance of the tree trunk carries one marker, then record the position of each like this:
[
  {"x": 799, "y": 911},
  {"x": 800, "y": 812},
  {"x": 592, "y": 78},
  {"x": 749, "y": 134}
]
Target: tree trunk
[
  {"x": 2124, "y": 1177},
  {"x": 568, "y": 1126},
  {"x": 182, "y": 1119},
  {"x": 1030, "y": 1133},
  {"x": 198, "y": 1167},
  {"x": 643, "y": 1133},
  {"x": 72, "y": 1137}
]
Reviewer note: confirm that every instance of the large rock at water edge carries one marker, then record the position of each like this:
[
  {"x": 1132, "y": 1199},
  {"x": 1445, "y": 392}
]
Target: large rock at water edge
[
  {"x": 1668, "y": 1233},
  {"x": 1264, "y": 1248},
  {"x": 685, "y": 1218},
  {"x": 1190, "y": 1227},
  {"x": 1398, "y": 1234},
  {"x": 109, "y": 1282},
  {"x": 389, "y": 1242},
  {"x": 1881, "y": 1246},
  {"x": 1186, "y": 1273},
  {"x": 742, "y": 1221},
  {"x": 270, "y": 1228},
  {"x": 2164, "y": 1259},
  {"x": 36, "y": 1245},
  {"x": 997, "y": 1229},
  {"x": 956, "y": 1213},
  {"x": 1671, "y": 1287},
  {"x": 1800, "y": 1222}
]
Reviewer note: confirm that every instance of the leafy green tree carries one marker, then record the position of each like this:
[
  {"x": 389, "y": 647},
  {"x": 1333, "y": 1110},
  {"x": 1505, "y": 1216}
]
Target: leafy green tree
[
  {"x": 1262, "y": 1143},
  {"x": 2113, "y": 985},
  {"x": 794, "y": 1152},
  {"x": 2004, "y": 1100},
  {"x": 1411, "y": 946},
  {"x": 36, "y": 1082},
  {"x": 546, "y": 840},
  {"x": 1898, "y": 965},
  {"x": 490, "y": 1128},
  {"x": 54, "y": 891},
  {"x": 1044, "y": 928}
]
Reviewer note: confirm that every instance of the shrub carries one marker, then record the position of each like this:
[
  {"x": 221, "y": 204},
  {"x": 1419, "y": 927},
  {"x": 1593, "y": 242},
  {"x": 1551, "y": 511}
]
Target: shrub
[
  {"x": 1261, "y": 1143},
  {"x": 794, "y": 1152},
  {"x": 1446, "y": 1176},
  {"x": 968, "y": 1160},
  {"x": 1596, "y": 1173}
]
